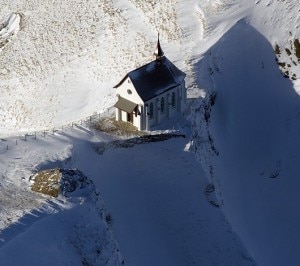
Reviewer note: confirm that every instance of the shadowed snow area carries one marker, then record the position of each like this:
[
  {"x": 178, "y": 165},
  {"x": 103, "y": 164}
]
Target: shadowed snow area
[
  {"x": 70, "y": 229},
  {"x": 254, "y": 126},
  {"x": 160, "y": 215},
  {"x": 154, "y": 193}
]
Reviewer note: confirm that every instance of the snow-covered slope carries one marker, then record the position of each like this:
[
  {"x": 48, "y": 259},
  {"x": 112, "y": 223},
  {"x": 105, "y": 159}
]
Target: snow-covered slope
[
  {"x": 64, "y": 61},
  {"x": 159, "y": 213},
  {"x": 68, "y": 230},
  {"x": 59, "y": 61},
  {"x": 246, "y": 132}
]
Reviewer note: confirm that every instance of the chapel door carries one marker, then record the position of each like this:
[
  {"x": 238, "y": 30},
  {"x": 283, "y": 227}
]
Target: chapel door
[{"x": 130, "y": 117}]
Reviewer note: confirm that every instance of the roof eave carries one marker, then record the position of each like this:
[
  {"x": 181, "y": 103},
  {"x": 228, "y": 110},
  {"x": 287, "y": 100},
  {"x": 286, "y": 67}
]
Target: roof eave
[
  {"x": 121, "y": 82},
  {"x": 163, "y": 91}
]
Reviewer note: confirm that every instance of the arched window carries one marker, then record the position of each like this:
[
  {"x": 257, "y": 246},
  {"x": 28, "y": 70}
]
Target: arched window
[
  {"x": 173, "y": 100},
  {"x": 151, "y": 110},
  {"x": 162, "y": 105}
]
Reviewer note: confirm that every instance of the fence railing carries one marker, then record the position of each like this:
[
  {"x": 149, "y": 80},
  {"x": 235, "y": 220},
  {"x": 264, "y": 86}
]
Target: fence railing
[{"x": 10, "y": 142}]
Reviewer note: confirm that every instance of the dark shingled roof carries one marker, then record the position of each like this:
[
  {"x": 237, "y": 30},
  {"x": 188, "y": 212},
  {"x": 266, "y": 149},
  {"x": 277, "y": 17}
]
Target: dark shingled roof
[{"x": 155, "y": 78}]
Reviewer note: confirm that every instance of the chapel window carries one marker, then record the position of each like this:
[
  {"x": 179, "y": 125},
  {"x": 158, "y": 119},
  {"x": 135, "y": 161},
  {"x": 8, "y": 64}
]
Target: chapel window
[
  {"x": 173, "y": 100},
  {"x": 151, "y": 110},
  {"x": 162, "y": 105}
]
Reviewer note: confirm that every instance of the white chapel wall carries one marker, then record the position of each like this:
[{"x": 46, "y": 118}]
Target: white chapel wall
[
  {"x": 127, "y": 91},
  {"x": 169, "y": 110},
  {"x": 143, "y": 121}
]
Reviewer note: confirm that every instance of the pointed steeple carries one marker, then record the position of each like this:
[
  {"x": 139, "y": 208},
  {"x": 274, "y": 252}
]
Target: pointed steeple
[{"x": 158, "y": 51}]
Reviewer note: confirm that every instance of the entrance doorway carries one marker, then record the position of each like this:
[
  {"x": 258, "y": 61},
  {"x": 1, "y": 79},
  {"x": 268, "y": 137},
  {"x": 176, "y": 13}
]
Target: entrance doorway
[{"x": 130, "y": 117}]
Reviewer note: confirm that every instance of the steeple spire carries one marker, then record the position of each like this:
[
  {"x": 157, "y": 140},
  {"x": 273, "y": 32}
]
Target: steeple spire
[{"x": 158, "y": 51}]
